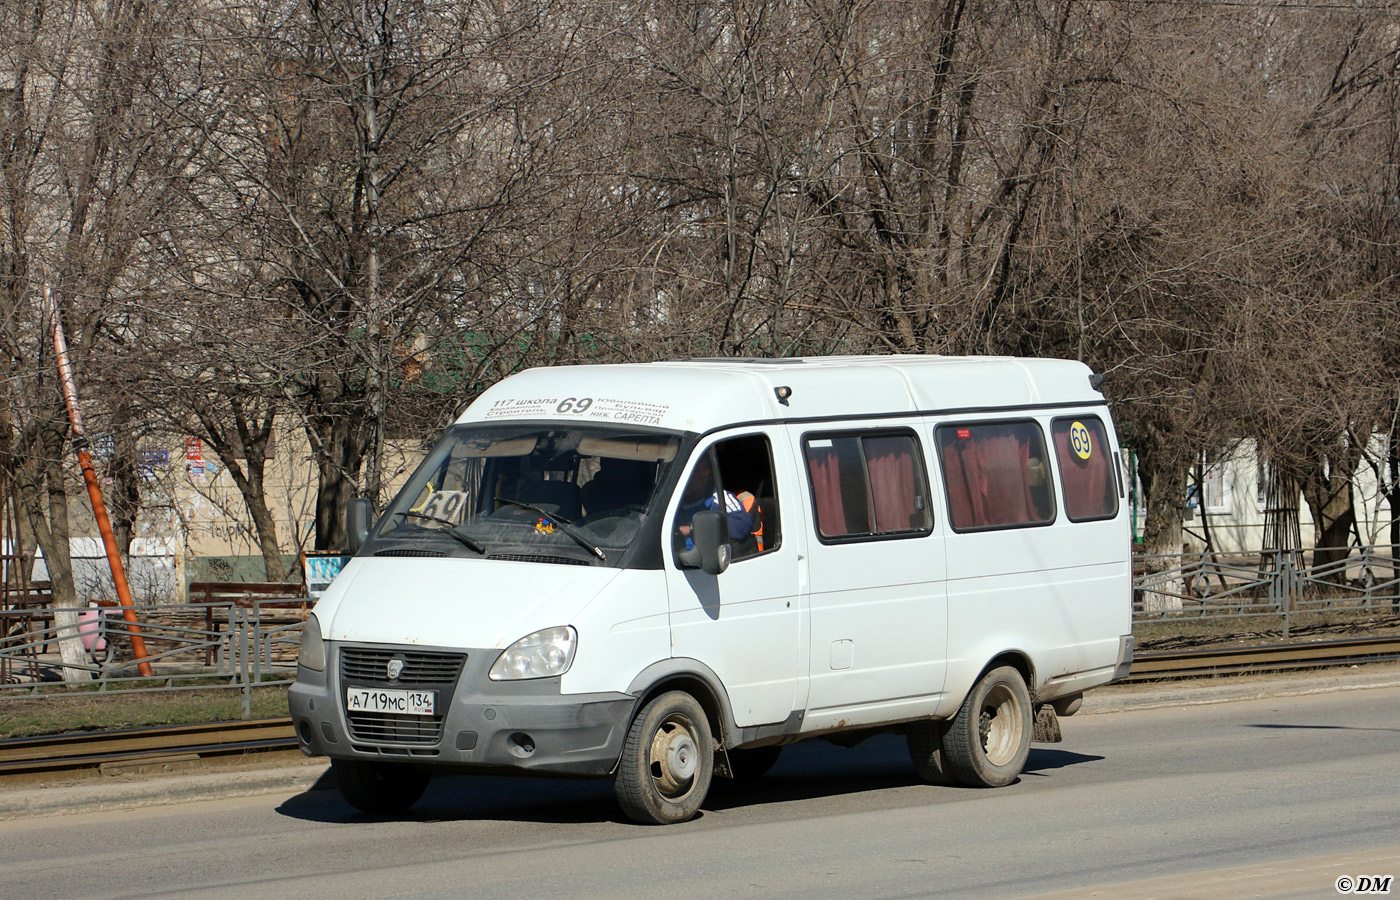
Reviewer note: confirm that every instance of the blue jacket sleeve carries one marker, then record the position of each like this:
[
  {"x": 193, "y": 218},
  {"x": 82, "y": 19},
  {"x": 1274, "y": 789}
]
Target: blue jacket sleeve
[{"x": 740, "y": 520}]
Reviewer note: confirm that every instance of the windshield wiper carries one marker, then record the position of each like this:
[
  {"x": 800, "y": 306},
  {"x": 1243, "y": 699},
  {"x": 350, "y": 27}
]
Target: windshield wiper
[
  {"x": 563, "y": 523},
  {"x": 452, "y": 529}
]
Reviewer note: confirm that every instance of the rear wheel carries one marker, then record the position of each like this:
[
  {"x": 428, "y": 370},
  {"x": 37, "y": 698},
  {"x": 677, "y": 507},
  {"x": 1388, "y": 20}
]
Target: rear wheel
[
  {"x": 987, "y": 742},
  {"x": 667, "y": 761},
  {"x": 926, "y": 751},
  {"x": 376, "y": 787}
]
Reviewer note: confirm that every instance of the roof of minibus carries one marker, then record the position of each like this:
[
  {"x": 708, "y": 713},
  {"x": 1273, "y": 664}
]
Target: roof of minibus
[{"x": 702, "y": 394}]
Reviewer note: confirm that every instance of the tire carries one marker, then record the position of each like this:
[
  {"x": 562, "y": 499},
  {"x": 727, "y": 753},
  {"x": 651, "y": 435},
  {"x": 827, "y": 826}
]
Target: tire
[
  {"x": 376, "y": 787},
  {"x": 926, "y": 751},
  {"x": 747, "y": 765},
  {"x": 988, "y": 740},
  {"x": 668, "y": 760}
]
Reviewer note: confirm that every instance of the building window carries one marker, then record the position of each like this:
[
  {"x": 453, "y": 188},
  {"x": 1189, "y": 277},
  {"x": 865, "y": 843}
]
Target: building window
[
  {"x": 868, "y": 485},
  {"x": 996, "y": 475},
  {"x": 1087, "y": 480},
  {"x": 1217, "y": 491}
]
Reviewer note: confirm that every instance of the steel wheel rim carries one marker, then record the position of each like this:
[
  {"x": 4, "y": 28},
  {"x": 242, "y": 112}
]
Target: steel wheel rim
[
  {"x": 998, "y": 726},
  {"x": 674, "y": 759}
]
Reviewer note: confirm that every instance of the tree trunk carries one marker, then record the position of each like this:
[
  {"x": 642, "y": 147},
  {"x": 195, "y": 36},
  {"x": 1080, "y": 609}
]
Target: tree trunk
[
  {"x": 124, "y": 499},
  {"x": 243, "y": 451},
  {"x": 256, "y": 499},
  {"x": 50, "y": 528},
  {"x": 341, "y": 450},
  {"x": 1329, "y": 499},
  {"x": 1164, "y": 483}
]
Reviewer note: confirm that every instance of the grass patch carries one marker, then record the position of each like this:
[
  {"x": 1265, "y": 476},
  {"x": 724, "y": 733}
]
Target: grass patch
[{"x": 60, "y": 713}]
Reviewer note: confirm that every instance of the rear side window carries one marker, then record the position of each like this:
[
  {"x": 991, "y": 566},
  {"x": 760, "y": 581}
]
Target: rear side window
[
  {"x": 1086, "y": 468},
  {"x": 997, "y": 475},
  {"x": 868, "y": 485}
]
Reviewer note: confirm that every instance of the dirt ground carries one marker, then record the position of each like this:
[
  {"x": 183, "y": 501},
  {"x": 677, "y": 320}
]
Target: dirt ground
[{"x": 1194, "y": 634}]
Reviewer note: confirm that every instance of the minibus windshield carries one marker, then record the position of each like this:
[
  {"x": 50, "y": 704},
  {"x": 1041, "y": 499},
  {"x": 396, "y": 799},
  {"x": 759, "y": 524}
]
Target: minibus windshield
[{"x": 529, "y": 492}]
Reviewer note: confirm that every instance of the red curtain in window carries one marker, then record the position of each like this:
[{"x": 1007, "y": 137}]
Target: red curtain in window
[
  {"x": 1090, "y": 489},
  {"x": 1006, "y": 460},
  {"x": 893, "y": 483},
  {"x": 825, "y": 469},
  {"x": 958, "y": 482},
  {"x": 987, "y": 480}
]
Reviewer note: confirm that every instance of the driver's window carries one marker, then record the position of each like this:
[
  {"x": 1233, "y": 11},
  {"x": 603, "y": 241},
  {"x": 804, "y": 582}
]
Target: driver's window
[{"x": 737, "y": 473}]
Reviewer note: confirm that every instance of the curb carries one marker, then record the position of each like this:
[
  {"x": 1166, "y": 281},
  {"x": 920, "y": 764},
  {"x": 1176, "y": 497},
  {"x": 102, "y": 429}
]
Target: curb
[
  {"x": 108, "y": 794},
  {"x": 1229, "y": 688}
]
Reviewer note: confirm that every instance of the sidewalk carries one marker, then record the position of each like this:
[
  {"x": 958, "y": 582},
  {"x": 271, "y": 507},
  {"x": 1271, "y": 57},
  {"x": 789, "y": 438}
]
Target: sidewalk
[{"x": 251, "y": 777}]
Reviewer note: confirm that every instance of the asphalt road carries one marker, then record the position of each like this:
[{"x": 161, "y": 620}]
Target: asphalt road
[{"x": 1274, "y": 797}]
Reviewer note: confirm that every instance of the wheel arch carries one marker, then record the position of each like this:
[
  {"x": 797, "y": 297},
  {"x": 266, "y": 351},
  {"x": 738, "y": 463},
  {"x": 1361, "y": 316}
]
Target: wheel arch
[
  {"x": 696, "y": 679},
  {"x": 1016, "y": 659}
]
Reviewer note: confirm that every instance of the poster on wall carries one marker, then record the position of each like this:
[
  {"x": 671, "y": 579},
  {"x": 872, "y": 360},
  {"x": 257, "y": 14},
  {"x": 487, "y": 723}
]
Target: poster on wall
[{"x": 194, "y": 457}]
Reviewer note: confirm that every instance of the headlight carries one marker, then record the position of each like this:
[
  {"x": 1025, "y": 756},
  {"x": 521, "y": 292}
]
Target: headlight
[
  {"x": 313, "y": 649},
  {"x": 539, "y": 655}
]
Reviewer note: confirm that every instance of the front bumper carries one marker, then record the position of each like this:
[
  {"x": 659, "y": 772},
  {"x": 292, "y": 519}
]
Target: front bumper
[{"x": 482, "y": 724}]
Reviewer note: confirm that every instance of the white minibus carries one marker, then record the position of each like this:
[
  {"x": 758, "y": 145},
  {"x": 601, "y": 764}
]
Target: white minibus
[{"x": 663, "y": 573}]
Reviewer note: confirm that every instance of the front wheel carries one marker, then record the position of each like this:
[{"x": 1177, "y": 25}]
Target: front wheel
[
  {"x": 987, "y": 742},
  {"x": 376, "y": 787},
  {"x": 667, "y": 761}
]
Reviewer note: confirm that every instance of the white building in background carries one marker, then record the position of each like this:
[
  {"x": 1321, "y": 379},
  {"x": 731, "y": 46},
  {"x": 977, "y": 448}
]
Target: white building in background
[
  {"x": 1234, "y": 496},
  {"x": 153, "y": 570}
]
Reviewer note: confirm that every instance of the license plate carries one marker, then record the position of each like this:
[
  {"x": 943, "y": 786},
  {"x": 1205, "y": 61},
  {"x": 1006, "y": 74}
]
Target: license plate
[{"x": 408, "y": 703}]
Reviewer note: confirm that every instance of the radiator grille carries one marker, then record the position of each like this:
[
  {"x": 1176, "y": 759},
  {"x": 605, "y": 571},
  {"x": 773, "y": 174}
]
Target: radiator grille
[{"x": 367, "y": 667}]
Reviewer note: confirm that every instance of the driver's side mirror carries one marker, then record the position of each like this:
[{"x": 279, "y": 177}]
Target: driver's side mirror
[
  {"x": 359, "y": 515},
  {"x": 709, "y": 533}
]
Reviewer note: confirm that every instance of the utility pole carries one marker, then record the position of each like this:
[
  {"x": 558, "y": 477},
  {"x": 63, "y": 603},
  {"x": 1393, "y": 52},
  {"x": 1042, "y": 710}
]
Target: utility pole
[{"x": 99, "y": 508}]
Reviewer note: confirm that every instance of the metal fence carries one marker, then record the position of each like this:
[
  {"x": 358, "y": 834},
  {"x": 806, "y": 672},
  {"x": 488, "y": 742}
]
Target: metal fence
[
  {"x": 196, "y": 646},
  {"x": 250, "y": 644},
  {"x": 1268, "y": 583}
]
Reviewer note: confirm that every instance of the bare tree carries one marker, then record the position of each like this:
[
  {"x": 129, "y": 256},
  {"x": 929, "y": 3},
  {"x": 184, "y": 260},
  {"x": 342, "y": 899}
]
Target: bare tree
[{"x": 88, "y": 166}]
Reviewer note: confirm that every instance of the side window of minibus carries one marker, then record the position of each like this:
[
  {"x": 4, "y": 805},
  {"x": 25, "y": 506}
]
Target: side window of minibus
[
  {"x": 869, "y": 485},
  {"x": 740, "y": 472},
  {"x": 1086, "y": 468},
  {"x": 997, "y": 475}
]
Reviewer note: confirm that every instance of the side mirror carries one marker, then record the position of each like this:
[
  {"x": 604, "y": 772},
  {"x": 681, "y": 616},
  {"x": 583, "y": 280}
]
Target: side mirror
[
  {"x": 709, "y": 533},
  {"x": 359, "y": 515}
]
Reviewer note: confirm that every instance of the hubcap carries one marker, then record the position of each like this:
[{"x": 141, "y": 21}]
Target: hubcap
[{"x": 675, "y": 757}]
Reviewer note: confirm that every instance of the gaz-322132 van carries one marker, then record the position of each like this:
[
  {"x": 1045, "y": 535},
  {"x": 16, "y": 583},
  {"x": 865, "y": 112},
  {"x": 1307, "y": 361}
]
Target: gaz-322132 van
[{"x": 663, "y": 573}]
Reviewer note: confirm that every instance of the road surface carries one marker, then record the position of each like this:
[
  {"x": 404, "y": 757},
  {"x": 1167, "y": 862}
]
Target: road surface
[{"x": 1261, "y": 798}]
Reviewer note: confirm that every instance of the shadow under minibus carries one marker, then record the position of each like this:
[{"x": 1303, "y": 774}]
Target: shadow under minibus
[{"x": 812, "y": 770}]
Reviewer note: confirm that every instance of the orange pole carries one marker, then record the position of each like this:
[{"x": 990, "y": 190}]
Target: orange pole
[{"x": 99, "y": 508}]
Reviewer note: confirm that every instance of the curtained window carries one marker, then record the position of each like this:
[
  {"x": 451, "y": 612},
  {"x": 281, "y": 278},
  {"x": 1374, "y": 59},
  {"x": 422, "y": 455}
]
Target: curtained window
[
  {"x": 1086, "y": 468},
  {"x": 996, "y": 475},
  {"x": 868, "y": 485}
]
